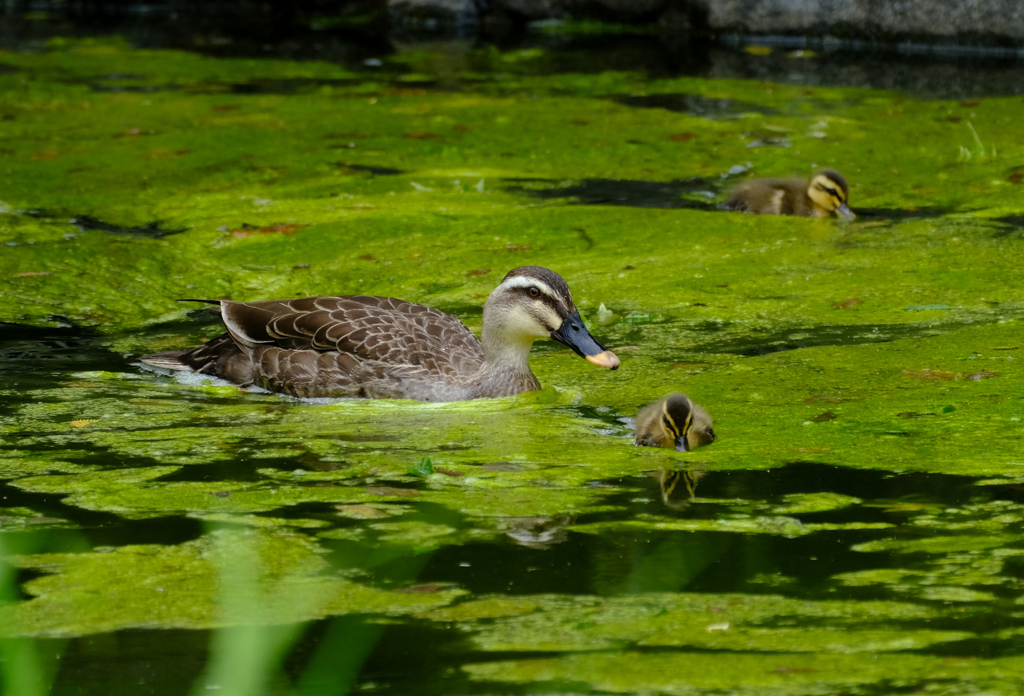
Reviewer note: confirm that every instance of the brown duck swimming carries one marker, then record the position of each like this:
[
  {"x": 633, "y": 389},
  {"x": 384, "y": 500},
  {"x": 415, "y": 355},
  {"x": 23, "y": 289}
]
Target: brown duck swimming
[
  {"x": 383, "y": 348},
  {"x": 825, "y": 194},
  {"x": 674, "y": 421}
]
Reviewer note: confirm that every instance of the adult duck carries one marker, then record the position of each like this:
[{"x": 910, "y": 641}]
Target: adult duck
[{"x": 383, "y": 348}]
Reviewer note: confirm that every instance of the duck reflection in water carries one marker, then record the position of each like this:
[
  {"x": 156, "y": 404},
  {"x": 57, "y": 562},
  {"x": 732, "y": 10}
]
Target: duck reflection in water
[
  {"x": 677, "y": 487},
  {"x": 538, "y": 532}
]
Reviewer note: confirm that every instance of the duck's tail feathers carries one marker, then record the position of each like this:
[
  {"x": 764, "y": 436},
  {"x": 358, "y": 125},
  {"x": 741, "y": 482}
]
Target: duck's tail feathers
[{"x": 170, "y": 360}]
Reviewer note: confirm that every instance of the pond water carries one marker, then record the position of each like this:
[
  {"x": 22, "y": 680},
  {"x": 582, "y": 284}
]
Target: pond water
[{"x": 857, "y": 528}]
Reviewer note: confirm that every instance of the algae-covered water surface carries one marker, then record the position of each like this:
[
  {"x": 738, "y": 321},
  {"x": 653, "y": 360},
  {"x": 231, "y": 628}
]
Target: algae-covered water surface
[{"x": 857, "y": 528}]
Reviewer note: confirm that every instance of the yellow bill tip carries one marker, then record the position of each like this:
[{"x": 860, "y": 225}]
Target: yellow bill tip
[{"x": 606, "y": 359}]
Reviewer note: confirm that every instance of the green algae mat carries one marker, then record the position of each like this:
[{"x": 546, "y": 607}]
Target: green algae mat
[{"x": 857, "y": 528}]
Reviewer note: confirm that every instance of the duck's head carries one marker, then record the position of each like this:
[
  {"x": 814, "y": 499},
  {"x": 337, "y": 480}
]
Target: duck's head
[
  {"x": 685, "y": 424},
  {"x": 829, "y": 192},
  {"x": 534, "y": 302}
]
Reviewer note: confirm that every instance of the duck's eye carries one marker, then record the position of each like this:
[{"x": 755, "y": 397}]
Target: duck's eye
[
  {"x": 534, "y": 292},
  {"x": 833, "y": 192}
]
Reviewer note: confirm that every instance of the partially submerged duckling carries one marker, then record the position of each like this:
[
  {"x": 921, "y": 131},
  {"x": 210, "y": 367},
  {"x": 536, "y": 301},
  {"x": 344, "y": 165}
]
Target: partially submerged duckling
[
  {"x": 674, "y": 421},
  {"x": 826, "y": 193}
]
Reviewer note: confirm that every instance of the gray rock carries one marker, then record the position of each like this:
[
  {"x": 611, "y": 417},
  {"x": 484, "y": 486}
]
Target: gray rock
[
  {"x": 432, "y": 15},
  {"x": 880, "y": 18},
  {"x": 991, "y": 22},
  {"x": 620, "y": 9}
]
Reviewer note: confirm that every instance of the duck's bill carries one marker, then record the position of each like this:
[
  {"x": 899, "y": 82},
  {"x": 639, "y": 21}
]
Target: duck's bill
[
  {"x": 844, "y": 211},
  {"x": 574, "y": 334},
  {"x": 682, "y": 444}
]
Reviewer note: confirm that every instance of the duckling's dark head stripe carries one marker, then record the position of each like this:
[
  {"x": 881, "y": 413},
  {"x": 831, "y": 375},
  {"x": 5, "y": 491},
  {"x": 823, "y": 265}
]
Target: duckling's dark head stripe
[
  {"x": 678, "y": 409},
  {"x": 838, "y": 178},
  {"x": 669, "y": 421}
]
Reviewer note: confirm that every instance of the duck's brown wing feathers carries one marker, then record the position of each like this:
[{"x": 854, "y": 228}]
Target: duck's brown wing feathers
[
  {"x": 320, "y": 346},
  {"x": 369, "y": 328}
]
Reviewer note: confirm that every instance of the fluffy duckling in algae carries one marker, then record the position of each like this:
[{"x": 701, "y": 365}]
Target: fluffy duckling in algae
[
  {"x": 827, "y": 193},
  {"x": 674, "y": 421}
]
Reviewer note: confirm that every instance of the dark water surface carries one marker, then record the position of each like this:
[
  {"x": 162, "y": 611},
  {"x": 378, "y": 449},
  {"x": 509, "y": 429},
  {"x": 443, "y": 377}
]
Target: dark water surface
[{"x": 533, "y": 557}]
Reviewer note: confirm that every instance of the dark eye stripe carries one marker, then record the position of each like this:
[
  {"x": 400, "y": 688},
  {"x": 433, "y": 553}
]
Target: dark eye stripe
[{"x": 544, "y": 297}]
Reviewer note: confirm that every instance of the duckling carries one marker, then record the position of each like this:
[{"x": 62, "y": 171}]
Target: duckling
[
  {"x": 383, "y": 348},
  {"x": 826, "y": 193},
  {"x": 674, "y": 421}
]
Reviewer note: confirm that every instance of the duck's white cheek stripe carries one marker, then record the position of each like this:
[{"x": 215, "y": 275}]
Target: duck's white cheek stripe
[
  {"x": 520, "y": 323},
  {"x": 528, "y": 282},
  {"x": 553, "y": 319}
]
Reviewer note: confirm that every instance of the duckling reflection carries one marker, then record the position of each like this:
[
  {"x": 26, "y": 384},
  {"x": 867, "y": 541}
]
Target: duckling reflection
[
  {"x": 825, "y": 194},
  {"x": 677, "y": 487},
  {"x": 674, "y": 421},
  {"x": 538, "y": 532}
]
